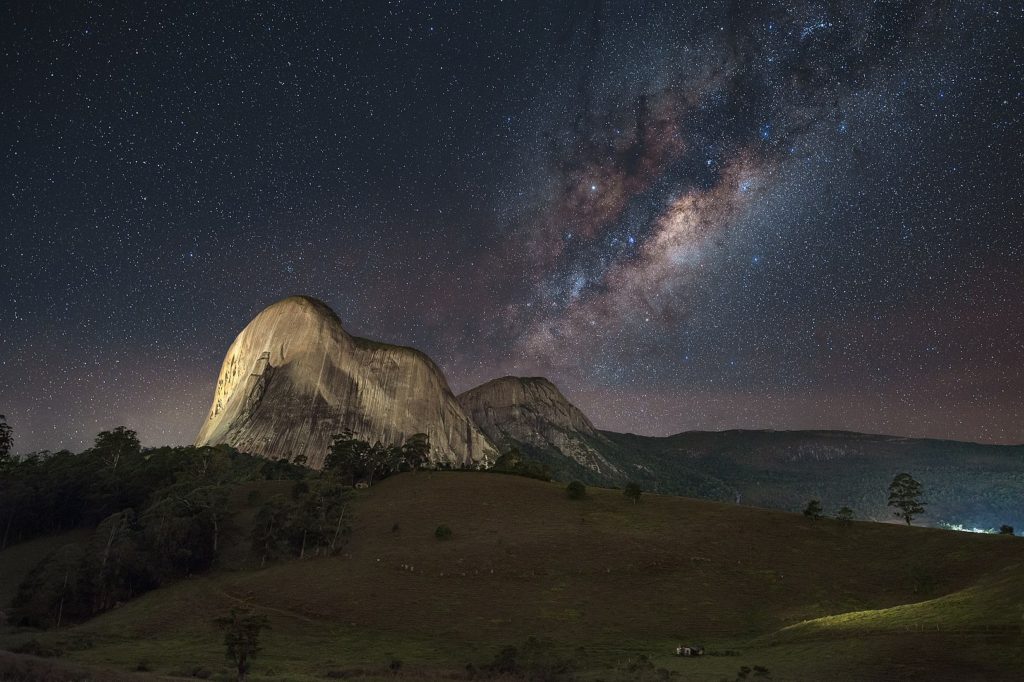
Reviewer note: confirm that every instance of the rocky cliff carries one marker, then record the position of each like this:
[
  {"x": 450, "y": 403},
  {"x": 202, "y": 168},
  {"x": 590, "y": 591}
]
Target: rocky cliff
[
  {"x": 294, "y": 377},
  {"x": 531, "y": 412}
]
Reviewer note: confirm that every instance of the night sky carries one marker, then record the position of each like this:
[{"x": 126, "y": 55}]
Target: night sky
[{"x": 687, "y": 215}]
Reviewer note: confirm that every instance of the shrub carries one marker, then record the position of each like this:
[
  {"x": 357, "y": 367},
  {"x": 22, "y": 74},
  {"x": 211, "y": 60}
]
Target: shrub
[
  {"x": 576, "y": 490},
  {"x": 633, "y": 492},
  {"x": 443, "y": 533},
  {"x": 845, "y": 514},
  {"x": 813, "y": 510},
  {"x": 534, "y": 659},
  {"x": 758, "y": 671},
  {"x": 1005, "y": 530}
]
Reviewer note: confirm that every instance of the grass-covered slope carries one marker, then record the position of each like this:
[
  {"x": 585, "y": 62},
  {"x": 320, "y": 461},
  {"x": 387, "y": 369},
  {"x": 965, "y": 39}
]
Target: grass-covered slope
[
  {"x": 969, "y": 484},
  {"x": 616, "y": 579}
]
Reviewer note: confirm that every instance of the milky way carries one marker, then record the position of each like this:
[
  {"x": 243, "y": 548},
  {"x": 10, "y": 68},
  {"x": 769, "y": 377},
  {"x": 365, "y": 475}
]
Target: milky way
[{"x": 745, "y": 214}]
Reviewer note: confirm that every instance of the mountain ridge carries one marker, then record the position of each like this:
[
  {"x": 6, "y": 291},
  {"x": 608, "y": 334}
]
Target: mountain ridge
[{"x": 293, "y": 378}]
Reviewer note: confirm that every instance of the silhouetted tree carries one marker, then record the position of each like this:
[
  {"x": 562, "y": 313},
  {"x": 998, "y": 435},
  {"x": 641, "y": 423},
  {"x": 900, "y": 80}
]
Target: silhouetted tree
[
  {"x": 576, "y": 490},
  {"x": 270, "y": 530},
  {"x": 632, "y": 491},
  {"x": 242, "y": 638},
  {"x": 347, "y": 457},
  {"x": 905, "y": 496},
  {"x": 845, "y": 514},
  {"x": 184, "y": 525},
  {"x": 6, "y": 442},
  {"x": 813, "y": 510},
  {"x": 416, "y": 450},
  {"x": 116, "y": 567},
  {"x": 1005, "y": 530},
  {"x": 113, "y": 445}
]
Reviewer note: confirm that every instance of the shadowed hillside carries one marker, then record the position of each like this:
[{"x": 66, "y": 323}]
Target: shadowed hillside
[
  {"x": 968, "y": 484},
  {"x": 617, "y": 579}
]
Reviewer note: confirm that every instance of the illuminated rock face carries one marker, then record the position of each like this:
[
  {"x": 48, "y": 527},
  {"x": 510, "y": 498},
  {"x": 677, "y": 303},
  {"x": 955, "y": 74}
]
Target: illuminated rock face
[
  {"x": 293, "y": 378},
  {"x": 532, "y": 411}
]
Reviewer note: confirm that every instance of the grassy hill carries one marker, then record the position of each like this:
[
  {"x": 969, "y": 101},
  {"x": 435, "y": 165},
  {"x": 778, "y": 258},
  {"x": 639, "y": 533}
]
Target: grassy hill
[
  {"x": 601, "y": 581},
  {"x": 968, "y": 484}
]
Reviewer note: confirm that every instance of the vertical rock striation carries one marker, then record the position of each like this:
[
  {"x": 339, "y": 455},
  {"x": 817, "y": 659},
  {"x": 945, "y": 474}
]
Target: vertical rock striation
[{"x": 293, "y": 378}]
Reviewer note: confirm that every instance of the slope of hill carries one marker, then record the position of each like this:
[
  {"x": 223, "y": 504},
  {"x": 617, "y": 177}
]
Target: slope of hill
[
  {"x": 601, "y": 580},
  {"x": 966, "y": 484},
  {"x": 293, "y": 378}
]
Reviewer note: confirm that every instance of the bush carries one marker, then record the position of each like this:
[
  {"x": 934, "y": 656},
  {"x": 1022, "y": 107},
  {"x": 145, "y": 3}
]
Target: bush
[
  {"x": 813, "y": 510},
  {"x": 576, "y": 490},
  {"x": 443, "y": 533},
  {"x": 1005, "y": 530},
  {"x": 758, "y": 671},
  {"x": 534, "y": 659},
  {"x": 633, "y": 492}
]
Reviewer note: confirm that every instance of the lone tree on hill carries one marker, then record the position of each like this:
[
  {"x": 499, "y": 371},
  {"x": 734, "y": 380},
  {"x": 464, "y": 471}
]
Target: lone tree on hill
[
  {"x": 905, "y": 496},
  {"x": 633, "y": 492},
  {"x": 242, "y": 638},
  {"x": 845, "y": 514},
  {"x": 813, "y": 510},
  {"x": 576, "y": 490}
]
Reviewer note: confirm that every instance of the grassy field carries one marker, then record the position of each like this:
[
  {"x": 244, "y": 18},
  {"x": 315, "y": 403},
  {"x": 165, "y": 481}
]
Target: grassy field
[{"x": 601, "y": 581}]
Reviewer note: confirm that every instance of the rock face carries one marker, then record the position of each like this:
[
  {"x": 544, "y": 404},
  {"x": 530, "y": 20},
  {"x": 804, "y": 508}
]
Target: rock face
[
  {"x": 293, "y": 378},
  {"x": 532, "y": 412}
]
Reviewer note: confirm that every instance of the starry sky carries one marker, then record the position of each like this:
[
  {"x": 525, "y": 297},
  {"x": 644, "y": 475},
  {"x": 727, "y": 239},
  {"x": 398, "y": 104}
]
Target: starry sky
[{"x": 698, "y": 215}]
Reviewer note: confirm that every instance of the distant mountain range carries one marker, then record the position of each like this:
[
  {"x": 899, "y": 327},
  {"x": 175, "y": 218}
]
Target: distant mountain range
[{"x": 294, "y": 377}]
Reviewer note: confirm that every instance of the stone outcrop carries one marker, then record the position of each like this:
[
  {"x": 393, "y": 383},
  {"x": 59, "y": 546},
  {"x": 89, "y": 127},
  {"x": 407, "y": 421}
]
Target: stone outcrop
[
  {"x": 293, "y": 378},
  {"x": 531, "y": 411}
]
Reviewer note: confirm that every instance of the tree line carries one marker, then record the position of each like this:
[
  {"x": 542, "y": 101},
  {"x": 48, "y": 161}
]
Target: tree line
[{"x": 160, "y": 514}]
